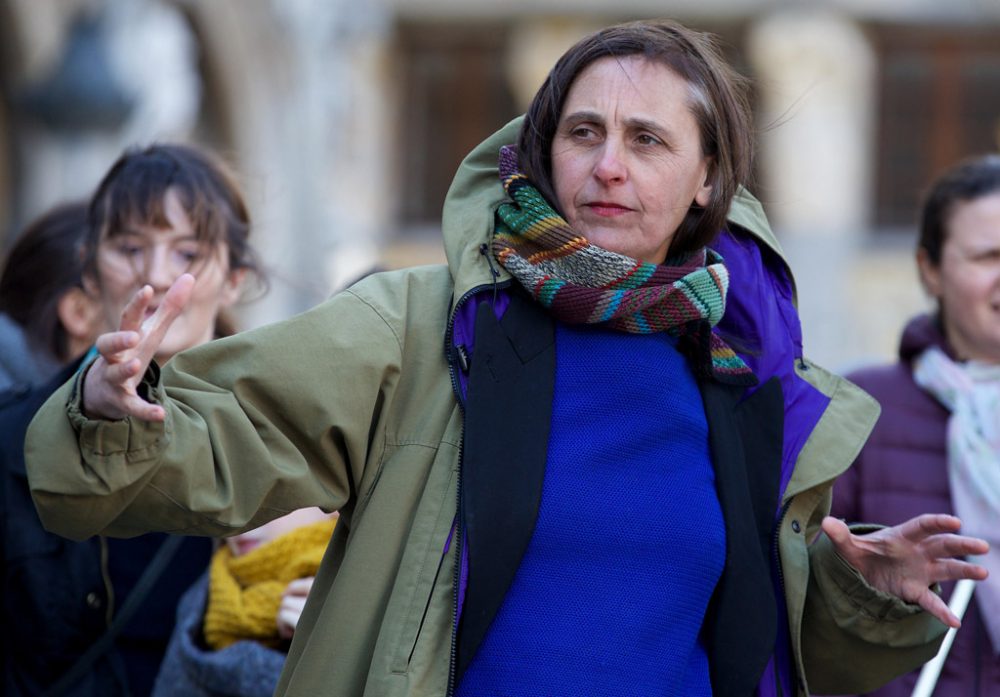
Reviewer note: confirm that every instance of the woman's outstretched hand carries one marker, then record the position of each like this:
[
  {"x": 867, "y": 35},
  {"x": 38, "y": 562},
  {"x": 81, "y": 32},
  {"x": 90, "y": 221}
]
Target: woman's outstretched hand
[
  {"x": 109, "y": 388},
  {"x": 907, "y": 559}
]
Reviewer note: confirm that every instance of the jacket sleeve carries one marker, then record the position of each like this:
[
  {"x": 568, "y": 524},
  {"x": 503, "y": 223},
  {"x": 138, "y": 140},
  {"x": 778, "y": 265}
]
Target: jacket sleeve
[
  {"x": 855, "y": 637},
  {"x": 258, "y": 424},
  {"x": 847, "y": 500}
]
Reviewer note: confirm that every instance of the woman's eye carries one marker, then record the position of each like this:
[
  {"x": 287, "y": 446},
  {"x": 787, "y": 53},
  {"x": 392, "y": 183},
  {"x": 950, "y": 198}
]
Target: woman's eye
[
  {"x": 129, "y": 250},
  {"x": 646, "y": 139},
  {"x": 188, "y": 255},
  {"x": 582, "y": 132}
]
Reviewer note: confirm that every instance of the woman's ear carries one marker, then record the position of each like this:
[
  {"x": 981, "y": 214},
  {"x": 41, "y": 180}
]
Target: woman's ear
[
  {"x": 233, "y": 287},
  {"x": 930, "y": 273},
  {"x": 703, "y": 196},
  {"x": 80, "y": 315}
]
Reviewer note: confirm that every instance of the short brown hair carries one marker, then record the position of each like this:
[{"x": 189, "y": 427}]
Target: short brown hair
[
  {"x": 719, "y": 104},
  {"x": 968, "y": 180}
]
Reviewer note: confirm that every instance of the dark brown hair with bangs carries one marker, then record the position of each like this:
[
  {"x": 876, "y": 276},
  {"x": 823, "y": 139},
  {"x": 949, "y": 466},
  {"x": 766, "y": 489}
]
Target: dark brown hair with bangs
[
  {"x": 40, "y": 269},
  {"x": 133, "y": 192},
  {"x": 718, "y": 101}
]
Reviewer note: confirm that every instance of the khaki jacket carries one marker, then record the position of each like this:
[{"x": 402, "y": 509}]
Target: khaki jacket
[{"x": 351, "y": 406}]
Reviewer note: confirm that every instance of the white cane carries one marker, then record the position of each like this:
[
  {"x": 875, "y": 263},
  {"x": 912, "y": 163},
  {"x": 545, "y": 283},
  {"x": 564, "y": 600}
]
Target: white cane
[{"x": 932, "y": 669}]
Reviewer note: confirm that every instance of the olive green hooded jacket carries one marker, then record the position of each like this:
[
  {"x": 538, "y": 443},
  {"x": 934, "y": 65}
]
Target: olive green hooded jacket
[{"x": 352, "y": 406}]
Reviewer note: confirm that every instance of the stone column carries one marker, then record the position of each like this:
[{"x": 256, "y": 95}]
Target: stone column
[
  {"x": 815, "y": 72},
  {"x": 307, "y": 108},
  {"x": 66, "y": 157}
]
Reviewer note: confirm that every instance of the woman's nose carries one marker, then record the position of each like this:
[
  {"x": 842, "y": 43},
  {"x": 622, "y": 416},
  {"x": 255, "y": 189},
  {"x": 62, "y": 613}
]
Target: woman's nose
[
  {"x": 610, "y": 167},
  {"x": 160, "y": 273}
]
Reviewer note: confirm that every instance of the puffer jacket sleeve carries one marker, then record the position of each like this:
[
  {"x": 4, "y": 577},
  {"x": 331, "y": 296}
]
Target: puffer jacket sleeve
[{"x": 258, "y": 424}]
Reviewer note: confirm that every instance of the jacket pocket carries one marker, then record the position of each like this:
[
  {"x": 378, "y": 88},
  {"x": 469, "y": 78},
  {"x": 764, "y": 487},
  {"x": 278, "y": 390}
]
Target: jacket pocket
[{"x": 426, "y": 579}]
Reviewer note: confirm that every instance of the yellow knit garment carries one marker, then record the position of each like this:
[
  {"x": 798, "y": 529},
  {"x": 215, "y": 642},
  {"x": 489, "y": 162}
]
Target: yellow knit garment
[{"x": 244, "y": 593}]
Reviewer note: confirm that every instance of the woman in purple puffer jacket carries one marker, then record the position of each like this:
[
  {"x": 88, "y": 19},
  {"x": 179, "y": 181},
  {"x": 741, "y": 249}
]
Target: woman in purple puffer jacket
[{"x": 936, "y": 446}]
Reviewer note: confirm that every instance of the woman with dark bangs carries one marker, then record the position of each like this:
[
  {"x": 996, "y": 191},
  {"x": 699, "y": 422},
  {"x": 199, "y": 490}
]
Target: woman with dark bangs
[
  {"x": 46, "y": 317},
  {"x": 103, "y": 609}
]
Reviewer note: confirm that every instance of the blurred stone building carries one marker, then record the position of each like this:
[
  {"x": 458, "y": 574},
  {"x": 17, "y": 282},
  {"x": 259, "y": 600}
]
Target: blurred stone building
[{"x": 347, "y": 121}]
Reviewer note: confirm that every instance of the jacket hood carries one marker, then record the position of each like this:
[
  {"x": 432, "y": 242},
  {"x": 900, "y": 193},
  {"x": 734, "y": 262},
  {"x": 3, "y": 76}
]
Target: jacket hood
[
  {"x": 476, "y": 191},
  {"x": 821, "y": 410}
]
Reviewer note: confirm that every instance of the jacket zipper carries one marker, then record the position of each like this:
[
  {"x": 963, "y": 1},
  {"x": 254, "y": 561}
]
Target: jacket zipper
[
  {"x": 457, "y": 573},
  {"x": 776, "y": 553},
  {"x": 460, "y": 354},
  {"x": 452, "y": 354}
]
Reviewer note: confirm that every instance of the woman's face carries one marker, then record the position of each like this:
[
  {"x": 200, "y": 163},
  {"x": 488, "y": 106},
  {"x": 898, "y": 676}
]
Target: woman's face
[
  {"x": 144, "y": 254},
  {"x": 248, "y": 541},
  {"x": 627, "y": 160},
  {"x": 966, "y": 284}
]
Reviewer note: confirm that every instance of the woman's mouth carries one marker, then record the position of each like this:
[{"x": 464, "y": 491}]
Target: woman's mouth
[{"x": 607, "y": 209}]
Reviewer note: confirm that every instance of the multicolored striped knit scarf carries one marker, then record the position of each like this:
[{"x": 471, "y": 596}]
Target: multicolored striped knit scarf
[{"x": 580, "y": 283}]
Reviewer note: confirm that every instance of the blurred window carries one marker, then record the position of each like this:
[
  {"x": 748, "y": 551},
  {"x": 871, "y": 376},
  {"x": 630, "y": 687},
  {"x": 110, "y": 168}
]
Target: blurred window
[
  {"x": 939, "y": 101},
  {"x": 454, "y": 93}
]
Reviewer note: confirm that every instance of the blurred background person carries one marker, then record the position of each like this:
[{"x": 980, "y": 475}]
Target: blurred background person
[
  {"x": 234, "y": 624},
  {"x": 107, "y": 606},
  {"x": 46, "y": 317},
  {"x": 937, "y": 443},
  {"x": 48, "y": 322}
]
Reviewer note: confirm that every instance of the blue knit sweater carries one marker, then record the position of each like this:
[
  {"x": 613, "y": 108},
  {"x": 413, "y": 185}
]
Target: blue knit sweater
[{"x": 629, "y": 544}]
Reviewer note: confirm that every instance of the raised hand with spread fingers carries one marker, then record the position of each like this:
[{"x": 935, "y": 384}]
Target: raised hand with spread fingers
[
  {"x": 110, "y": 385},
  {"x": 906, "y": 560}
]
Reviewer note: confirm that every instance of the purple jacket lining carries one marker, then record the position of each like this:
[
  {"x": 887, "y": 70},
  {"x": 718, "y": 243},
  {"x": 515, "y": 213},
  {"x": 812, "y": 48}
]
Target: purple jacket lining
[
  {"x": 761, "y": 316},
  {"x": 464, "y": 325}
]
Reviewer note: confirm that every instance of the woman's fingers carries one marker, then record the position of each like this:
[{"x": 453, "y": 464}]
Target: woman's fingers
[
  {"x": 135, "y": 310},
  {"x": 956, "y": 569},
  {"x": 299, "y": 587},
  {"x": 840, "y": 535},
  {"x": 951, "y": 545},
  {"x": 929, "y": 524},
  {"x": 109, "y": 388},
  {"x": 932, "y": 603},
  {"x": 289, "y": 612},
  {"x": 293, "y": 600},
  {"x": 139, "y": 408},
  {"x": 157, "y": 326},
  {"x": 113, "y": 343},
  {"x": 121, "y": 373}
]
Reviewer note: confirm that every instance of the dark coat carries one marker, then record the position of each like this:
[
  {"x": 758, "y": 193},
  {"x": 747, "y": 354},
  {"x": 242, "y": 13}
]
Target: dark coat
[
  {"x": 59, "y": 595},
  {"x": 903, "y": 472}
]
